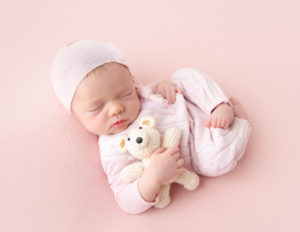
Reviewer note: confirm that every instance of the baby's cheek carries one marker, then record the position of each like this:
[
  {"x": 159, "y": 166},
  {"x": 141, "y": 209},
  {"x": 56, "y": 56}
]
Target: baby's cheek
[
  {"x": 97, "y": 125},
  {"x": 134, "y": 104}
]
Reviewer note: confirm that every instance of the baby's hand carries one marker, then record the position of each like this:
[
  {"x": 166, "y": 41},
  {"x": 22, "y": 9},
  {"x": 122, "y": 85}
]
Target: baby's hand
[
  {"x": 221, "y": 117},
  {"x": 165, "y": 163},
  {"x": 168, "y": 90}
]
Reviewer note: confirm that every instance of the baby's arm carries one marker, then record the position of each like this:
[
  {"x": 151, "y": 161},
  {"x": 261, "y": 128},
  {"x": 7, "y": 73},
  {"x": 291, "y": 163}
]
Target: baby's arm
[
  {"x": 142, "y": 194},
  {"x": 148, "y": 187},
  {"x": 126, "y": 194},
  {"x": 199, "y": 89},
  {"x": 165, "y": 164}
]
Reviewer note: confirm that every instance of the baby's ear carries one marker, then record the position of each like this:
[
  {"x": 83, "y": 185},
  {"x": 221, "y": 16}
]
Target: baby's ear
[
  {"x": 147, "y": 122},
  {"x": 122, "y": 144}
]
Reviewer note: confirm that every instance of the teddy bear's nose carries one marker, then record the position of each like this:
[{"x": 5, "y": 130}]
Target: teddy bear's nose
[{"x": 139, "y": 140}]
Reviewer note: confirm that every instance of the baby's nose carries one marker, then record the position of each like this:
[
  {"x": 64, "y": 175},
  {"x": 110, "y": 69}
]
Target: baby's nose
[{"x": 115, "y": 108}]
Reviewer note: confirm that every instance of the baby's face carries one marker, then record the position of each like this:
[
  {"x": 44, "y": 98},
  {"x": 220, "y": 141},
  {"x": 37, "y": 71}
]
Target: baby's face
[{"x": 106, "y": 102}]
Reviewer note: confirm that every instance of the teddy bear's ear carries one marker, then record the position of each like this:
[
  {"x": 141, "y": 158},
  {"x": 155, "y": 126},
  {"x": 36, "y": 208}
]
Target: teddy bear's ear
[
  {"x": 121, "y": 144},
  {"x": 147, "y": 122}
]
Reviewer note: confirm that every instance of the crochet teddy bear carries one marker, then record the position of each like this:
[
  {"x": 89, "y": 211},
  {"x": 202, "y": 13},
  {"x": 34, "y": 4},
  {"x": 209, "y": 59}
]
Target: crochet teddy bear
[{"x": 140, "y": 143}]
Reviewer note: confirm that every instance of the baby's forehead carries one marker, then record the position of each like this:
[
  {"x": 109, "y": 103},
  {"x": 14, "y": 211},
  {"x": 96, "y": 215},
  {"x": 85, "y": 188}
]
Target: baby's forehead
[
  {"x": 113, "y": 79},
  {"x": 109, "y": 69},
  {"x": 111, "y": 66},
  {"x": 105, "y": 83}
]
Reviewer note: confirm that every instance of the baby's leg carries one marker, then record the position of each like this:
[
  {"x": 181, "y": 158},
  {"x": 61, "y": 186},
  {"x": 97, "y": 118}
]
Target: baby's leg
[{"x": 222, "y": 149}]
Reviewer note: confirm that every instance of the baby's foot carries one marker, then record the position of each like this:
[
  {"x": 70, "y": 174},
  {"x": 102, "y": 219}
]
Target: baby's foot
[{"x": 238, "y": 110}]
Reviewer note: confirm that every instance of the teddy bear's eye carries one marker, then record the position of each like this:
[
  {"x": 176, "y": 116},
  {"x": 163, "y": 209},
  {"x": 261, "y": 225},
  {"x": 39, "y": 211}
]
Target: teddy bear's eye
[
  {"x": 140, "y": 127},
  {"x": 128, "y": 139}
]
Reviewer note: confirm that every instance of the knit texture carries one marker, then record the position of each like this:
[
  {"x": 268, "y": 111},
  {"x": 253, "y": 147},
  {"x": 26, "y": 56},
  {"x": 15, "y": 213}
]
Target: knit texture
[
  {"x": 73, "y": 62},
  {"x": 141, "y": 142}
]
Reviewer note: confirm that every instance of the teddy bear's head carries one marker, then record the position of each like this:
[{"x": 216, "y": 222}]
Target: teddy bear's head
[{"x": 142, "y": 141}]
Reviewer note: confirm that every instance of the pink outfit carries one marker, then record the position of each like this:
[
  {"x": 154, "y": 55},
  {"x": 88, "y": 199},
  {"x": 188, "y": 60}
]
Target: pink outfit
[{"x": 209, "y": 151}]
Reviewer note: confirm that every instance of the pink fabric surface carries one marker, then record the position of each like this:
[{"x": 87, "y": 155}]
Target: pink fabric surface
[{"x": 51, "y": 178}]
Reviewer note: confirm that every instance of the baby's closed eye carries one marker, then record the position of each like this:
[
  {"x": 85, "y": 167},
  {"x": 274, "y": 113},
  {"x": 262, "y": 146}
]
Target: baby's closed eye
[
  {"x": 127, "y": 94},
  {"x": 96, "y": 108}
]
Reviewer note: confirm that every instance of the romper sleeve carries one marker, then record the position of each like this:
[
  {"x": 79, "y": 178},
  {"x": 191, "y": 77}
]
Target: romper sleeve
[
  {"x": 199, "y": 89},
  {"x": 126, "y": 194}
]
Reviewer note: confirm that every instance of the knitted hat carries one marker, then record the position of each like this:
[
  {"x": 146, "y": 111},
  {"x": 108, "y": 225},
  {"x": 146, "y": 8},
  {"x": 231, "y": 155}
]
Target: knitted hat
[{"x": 75, "y": 61}]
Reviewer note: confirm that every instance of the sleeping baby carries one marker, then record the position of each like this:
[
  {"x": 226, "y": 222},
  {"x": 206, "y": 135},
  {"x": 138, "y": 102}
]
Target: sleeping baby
[{"x": 94, "y": 83}]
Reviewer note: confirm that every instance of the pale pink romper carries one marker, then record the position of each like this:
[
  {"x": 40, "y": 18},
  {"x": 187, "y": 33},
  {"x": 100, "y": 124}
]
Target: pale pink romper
[{"x": 208, "y": 151}]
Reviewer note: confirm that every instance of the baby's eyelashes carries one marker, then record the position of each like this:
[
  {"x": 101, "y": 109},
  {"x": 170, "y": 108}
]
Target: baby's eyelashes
[
  {"x": 95, "y": 109},
  {"x": 127, "y": 94}
]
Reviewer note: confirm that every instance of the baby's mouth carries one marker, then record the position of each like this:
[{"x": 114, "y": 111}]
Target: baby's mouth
[{"x": 119, "y": 123}]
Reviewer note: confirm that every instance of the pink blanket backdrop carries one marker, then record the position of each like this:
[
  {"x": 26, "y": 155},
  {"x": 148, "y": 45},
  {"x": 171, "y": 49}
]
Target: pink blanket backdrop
[{"x": 51, "y": 178}]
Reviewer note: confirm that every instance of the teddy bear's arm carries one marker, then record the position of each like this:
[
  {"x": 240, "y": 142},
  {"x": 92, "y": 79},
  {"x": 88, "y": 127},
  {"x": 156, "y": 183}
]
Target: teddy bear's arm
[
  {"x": 171, "y": 137},
  {"x": 132, "y": 171}
]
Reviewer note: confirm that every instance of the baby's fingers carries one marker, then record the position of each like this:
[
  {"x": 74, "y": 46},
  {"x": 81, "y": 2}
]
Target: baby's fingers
[
  {"x": 169, "y": 95},
  {"x": 180, "y": 162},
  {"x": 159, "y": 150},
  {"x": 173, "y": 95},
  {"x": 176, "y": 155},
  {"x": 219, "y": 123},
  {"x": 214, "y": 122},
  {"x": 180, "y": 171},
  {"x": 163, "y": 92},
  {"x": 225, "y": 124},
  {"x": 171, "y": 150},
  {"x": 178, "y": 90}
]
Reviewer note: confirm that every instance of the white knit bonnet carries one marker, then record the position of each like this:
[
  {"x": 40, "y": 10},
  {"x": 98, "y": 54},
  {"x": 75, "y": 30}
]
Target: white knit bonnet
[{"x": 74, "y": 61}]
